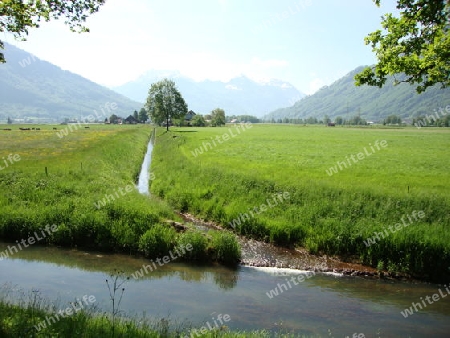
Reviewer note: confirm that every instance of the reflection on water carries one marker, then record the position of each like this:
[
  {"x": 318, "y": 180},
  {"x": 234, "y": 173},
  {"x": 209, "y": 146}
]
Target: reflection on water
[
  {"x": 343, "y": 305},
  {"x": 106, "y": 263}
]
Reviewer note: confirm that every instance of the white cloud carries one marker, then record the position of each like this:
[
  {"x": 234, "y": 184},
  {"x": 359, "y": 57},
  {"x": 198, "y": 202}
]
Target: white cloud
[
  {"x": 232, "y": 87},
  {"x": 315, "y": 85},
  {"x": 318, "y": 82},
  {"x": 273, "y": 63}
]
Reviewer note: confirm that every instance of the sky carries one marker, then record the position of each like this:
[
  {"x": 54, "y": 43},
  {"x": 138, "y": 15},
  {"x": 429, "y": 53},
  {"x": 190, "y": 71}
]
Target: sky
[{"x": 308, "y": 43}]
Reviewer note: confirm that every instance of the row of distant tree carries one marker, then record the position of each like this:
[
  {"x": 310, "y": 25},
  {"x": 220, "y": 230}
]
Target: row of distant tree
[
  {"x": 356, "y": 120},
  {"x": 139, "y": 117},
  {"x": 243, "y": 119},
  {"x": 423, "y": 120},
  {"x": 217, "y": 118},
  {"x": 214, "y": 119},
  {"x": 431, "y": 121}
]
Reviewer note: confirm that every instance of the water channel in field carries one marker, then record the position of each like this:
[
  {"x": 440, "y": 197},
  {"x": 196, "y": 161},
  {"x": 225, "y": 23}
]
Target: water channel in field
[{"x": 144, "y": 175}]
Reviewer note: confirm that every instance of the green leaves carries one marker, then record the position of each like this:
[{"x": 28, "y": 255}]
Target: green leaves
[
  {"x": 17, "y": 16},
  {"x": 165, "y": 102},
  {"x": 417, "y": 44},
  {"x": 157, "y": 241},
  {"x": 218, "y": 117}
]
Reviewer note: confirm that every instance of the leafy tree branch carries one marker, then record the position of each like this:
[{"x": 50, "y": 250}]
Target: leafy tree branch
[
  {"x": 18, "y": 16},
  {"x": 414, "y": 47}
]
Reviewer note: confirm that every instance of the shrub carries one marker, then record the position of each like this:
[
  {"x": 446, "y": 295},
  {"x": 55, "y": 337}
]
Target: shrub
[
  {"x": 198, "y": 242},
  {"x": 157, "y": 241},
  {"x": 227, "y": 248},
  {"x": 63, "y": 236}
]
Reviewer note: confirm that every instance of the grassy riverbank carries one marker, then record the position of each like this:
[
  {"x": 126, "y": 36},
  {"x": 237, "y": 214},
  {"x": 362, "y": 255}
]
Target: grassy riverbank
[
  {"x": 327, "y": 189},
  {"x": 76, "y": 187},
  {"x": 17, "y": 321}
]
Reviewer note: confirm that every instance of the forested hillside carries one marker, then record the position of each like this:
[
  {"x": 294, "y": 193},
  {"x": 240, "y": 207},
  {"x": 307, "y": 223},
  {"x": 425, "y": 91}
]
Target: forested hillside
[
  {"x": 35, "y": 90},
  {"x": 344, "y": 99}
]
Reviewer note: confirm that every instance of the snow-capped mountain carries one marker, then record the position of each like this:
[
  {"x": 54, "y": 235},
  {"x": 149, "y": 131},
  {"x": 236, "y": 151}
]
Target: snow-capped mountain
[{"x": 239, "y": 96}]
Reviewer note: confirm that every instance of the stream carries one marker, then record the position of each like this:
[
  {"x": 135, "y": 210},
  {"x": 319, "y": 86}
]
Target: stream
[
  {"x": 144, "y": 175},
  {"x": 271, "y": 295}
]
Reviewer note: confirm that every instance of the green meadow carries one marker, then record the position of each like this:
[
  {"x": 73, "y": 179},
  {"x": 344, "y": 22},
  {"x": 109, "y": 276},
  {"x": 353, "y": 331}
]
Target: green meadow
[
  {"x": 236, "y": 177},
  {"x": 82, "y": 181}
]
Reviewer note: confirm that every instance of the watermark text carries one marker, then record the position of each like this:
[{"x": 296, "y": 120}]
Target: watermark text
[
  {"x": 296, "y": 280},
  {"x": 9, "y": 160},
  {"x": 394, "y": 228},
  {"x": 69, "y": 311},
  {"x": 25, "y": 243},
  {"x": 147, "y": 268},
  {"x": 222, "y": 138},
  {"x": 276, "y": 198},
  {"x": 361, "y": 155},
  {"x": 415, "y": 307},
  {"x": 218, "y": 321}
]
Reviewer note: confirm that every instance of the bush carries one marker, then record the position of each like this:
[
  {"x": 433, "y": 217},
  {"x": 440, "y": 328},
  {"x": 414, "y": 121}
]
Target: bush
[
  {"x": 227, "y": 248},
  {"x": 157, "y": 241},
  {"x": 198, "y": 242}
]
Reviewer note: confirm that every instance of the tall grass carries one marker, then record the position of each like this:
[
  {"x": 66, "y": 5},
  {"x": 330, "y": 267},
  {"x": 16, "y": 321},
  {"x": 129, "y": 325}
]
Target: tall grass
[{"x": 328, "y": 215}]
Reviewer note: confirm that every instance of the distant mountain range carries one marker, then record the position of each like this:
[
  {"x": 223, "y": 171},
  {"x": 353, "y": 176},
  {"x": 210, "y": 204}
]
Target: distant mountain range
[
  {"x": 343, "y": 98},
  {"x": 39, "y": 91},
  {"x": 239, "y": 96}
]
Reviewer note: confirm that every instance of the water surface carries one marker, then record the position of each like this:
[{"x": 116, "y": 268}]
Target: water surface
[
  {"x": 318, "y": 305},
  {"x": 144, "y": 175}
]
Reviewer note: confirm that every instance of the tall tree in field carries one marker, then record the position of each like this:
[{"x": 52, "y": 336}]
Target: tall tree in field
[
  {"x": 143, "y": 116},
  {"x": 218, "y": 117},
  {"x": 164, "y": 102},
  {"x": 113, "y": 119},
  {"x": 416, "y": 46},
  {"x": 17, "y": 16}
]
